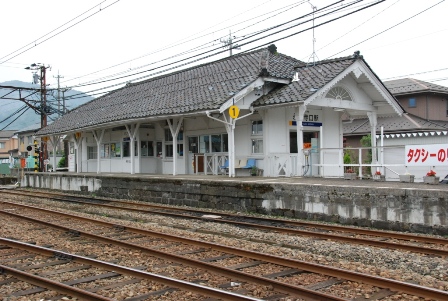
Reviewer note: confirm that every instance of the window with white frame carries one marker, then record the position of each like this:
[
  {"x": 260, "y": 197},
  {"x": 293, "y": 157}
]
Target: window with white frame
[
  {"x": 257, "y": 137},
  {"x": 126, "y": 147},
  {"x": 257, "y": 127},
  {"x": 257, "y": 146},
  {"x": 146, "y": 148},
  {"x": 169, "y": 143},
  {"x": 446, "y": 100},
  {"x": 105, "y": 151},
  {"x": 92, "y": 152},
  {"x": 2, "y": 144},
  {"x": 215, "y": 143}
]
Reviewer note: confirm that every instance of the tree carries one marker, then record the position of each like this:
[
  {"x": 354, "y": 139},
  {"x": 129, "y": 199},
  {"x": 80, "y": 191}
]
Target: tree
[
  {"x": 61, "y": 162},
  {"x": 366, "y": 141}
]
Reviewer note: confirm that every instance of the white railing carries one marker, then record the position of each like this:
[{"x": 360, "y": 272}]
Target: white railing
[
  {"x": 329, "y": 162},
  {"x": 281, "y": 165},
  {"x": 212, "y": 163}
]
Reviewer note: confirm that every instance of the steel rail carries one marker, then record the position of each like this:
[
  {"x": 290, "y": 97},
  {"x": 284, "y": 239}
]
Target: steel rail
[
  {"x": 52, "y": 285},
  {"x": 336, "y": 237},
  {"x": 181, "y": 284},
  {"x": 393, "y": 285},
  {"x": 402, "y": 236},
  {"x": 234, "y": 274}
]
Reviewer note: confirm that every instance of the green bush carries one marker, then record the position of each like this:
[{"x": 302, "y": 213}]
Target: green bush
[{"x": 61, "y": 162}]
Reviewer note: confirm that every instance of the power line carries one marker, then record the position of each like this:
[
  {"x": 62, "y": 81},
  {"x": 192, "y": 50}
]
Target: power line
[
  {"x": 14, "y": 119},
  {"x": 207, "y": 56},
  {"x": 387, "y": 29},
  {"x": 38, "y": 43},
  {"x": 418, "y": 73},
  {"x": 182, "y": 41},
  {"x": 218, "y": 48},
  {"x": 358, "y": 26},
  {"x": 16, "y": 112}
]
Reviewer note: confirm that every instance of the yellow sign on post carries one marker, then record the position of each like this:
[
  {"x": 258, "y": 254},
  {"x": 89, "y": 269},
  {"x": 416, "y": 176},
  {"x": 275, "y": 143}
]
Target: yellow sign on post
[{"x": 234, "y": 112}]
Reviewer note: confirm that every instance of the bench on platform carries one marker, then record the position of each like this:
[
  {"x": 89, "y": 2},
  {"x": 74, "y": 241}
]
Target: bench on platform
[{"x": 242, "y": 166}]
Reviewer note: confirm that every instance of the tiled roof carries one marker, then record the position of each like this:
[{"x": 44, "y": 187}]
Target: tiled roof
[
  {"x": 409, "y": 85},
  {"x": 405, "y": 123},
  {"x": 199, "y": 88},
  {"x": 311, "y": 78},
  {"x": 7, "y": 134}
]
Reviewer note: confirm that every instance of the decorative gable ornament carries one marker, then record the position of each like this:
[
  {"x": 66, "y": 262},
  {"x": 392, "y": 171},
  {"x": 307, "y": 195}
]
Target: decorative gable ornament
[
  {"x": 357, "y": 72},
  {"x": 339, "y": 93}
]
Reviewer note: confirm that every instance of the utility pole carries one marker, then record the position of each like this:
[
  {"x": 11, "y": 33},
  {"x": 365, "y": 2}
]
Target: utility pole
[
  {"x": 313, "y": 55},
  {"x": 43, "y": 108},
  {"x": 229, "y": 43},
  {"x": 59, "y": 98}
]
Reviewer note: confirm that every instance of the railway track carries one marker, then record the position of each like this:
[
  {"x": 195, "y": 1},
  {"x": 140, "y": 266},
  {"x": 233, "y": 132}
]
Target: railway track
[
  {"x": 383, "y": 239},
  {"x": 200, "y": 255}
]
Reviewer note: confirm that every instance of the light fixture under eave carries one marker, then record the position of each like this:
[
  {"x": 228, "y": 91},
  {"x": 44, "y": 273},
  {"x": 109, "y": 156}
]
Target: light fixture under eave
[{"x": 338, "y": 109}]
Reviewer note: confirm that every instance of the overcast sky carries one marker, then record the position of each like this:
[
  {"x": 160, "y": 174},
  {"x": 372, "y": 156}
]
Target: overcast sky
[{"x": 125, "y": 37}]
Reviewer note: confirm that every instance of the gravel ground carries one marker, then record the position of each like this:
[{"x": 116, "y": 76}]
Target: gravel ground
[{"x": 424, "y": 270}]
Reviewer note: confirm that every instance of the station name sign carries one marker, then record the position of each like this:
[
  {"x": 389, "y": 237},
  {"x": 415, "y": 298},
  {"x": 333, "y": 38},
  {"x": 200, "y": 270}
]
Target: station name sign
[{"x": 305, "y": 123}]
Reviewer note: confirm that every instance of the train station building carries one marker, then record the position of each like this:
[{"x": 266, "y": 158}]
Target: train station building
[{"x": 259, "y": 108}]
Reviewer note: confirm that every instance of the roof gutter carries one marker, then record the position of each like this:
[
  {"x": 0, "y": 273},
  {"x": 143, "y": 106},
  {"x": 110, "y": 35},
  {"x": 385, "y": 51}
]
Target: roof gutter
[{"x": 127, "y": 121}]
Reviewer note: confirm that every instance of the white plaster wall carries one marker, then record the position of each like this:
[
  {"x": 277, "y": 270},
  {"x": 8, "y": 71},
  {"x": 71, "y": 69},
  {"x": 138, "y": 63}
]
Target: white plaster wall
[
  {"x": 243, "y": 144},
  {"x": 148, "y": 165},
  {"x": 332, "y": 140},
  {"x": 276, "y": 130},
  {"x": 394, "y": 153}
]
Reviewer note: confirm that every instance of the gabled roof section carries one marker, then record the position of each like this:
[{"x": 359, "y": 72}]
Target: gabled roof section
[
  {"x": 313, "y": 81},
  {"x": 189, "y": 91},
  {"x": 406, "y": 86},
  {"x": 310, "y": 78}
]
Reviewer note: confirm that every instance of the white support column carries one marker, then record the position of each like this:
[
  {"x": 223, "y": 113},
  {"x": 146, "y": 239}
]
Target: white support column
[
  {"x": 132, "y": 132},
  {"x": 321, "y": 152},
  {"x": 98, "y": 140},
  {"x": 299, "y": 114},
  {"x": 174, "y": 129},
  {"x": 373, "y": 123},
  {"x": 55, "y": 141},
  {"x": 78, "y": 145},
  {"x": 232, "y": 147},
  {"x": 230, "y": 128}
]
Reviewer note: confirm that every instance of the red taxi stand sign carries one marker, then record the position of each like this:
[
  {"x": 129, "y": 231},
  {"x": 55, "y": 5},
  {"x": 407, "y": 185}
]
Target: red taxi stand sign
[{"x": 426, "y": 155}]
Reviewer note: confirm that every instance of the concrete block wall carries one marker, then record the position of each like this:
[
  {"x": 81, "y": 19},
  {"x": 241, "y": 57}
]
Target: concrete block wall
[{"x": 413, "y": 210}]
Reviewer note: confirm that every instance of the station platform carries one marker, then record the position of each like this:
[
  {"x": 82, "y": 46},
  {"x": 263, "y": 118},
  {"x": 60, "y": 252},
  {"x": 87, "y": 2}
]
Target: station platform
[{"x": 414, "y": 207}]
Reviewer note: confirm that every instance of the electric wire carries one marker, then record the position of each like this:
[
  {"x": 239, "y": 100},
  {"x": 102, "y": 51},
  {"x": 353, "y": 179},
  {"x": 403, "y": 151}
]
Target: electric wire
[
  {"x": 358, "y": 26},
  {"x": 15, "y": 119},
  {"x": 38, "y": 43},
  {"x": 399, "y": 23},
  {"x": 244, "y": 37},
  {"x": 16, "y": 112},
  {"x": 182, "y": 41},
  {"x": 418, "y": 73},
  {"x": 201, "y": 58},
  {"x": 219, "y": 52}
]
